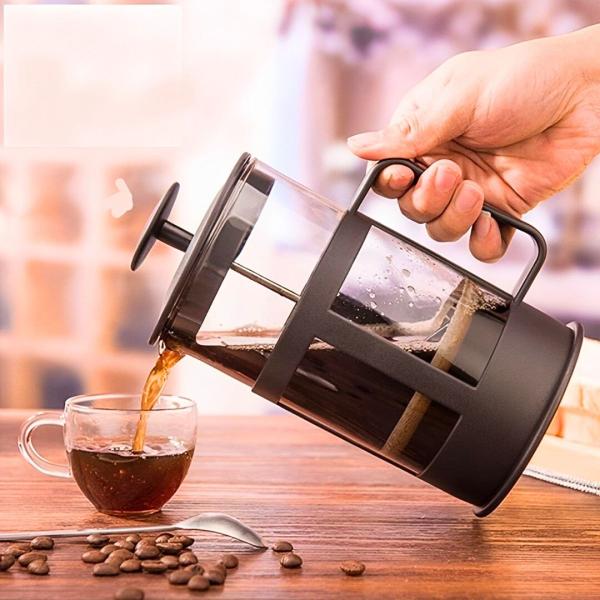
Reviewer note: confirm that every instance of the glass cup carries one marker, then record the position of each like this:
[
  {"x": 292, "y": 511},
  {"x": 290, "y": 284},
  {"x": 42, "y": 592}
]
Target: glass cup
[{"x": 98, "y": 431}]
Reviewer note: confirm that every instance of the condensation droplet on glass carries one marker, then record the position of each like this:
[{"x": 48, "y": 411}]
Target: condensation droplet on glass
[
  {"x": 411, "y": 304},
  {"x": 406, "y": 272},
  {"x": 438, "y": 300},
  {"x": 371, "y": 295},
  {"x": 401, "y": 290},
  {"x": 389, "y": 258},
  {"x": 411, "y": 289}
]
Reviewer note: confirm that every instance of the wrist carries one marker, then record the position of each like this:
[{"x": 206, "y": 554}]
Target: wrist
[{"x": 589, "y": 42}]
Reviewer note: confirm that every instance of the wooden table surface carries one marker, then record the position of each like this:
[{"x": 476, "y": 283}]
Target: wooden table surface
[{"x": 289, "y": 480}]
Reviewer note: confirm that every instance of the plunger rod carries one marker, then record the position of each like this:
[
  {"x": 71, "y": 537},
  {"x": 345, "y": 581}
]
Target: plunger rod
[
  {"x": 271, "y": 285},
  {"x": 174, "y": 236},
  {"x": 179, "y": 238}
]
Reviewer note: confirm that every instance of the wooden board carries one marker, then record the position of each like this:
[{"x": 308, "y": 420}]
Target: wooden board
[{"x": 290, "y": 480}]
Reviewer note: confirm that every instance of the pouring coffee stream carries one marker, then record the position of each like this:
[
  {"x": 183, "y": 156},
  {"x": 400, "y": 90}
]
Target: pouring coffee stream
[{"x": 153, "y": 386}]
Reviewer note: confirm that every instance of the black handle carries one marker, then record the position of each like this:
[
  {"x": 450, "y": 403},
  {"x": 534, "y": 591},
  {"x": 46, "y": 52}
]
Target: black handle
[{"x": 499, "y": 215}]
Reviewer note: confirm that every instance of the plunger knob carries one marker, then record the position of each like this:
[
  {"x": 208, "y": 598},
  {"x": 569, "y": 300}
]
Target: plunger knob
[{"x": 158, "y": 228}]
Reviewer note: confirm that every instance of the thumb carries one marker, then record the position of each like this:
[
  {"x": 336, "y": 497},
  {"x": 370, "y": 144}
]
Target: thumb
[{"x": 410, "y": 135}]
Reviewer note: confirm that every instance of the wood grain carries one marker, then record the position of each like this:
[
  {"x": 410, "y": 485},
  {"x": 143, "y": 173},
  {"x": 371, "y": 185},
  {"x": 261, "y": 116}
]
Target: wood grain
[{"x": 290, "y": 480}]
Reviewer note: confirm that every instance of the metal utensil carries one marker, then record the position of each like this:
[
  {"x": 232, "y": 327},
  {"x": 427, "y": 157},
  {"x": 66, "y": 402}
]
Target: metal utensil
[{"x": 213, "y": 522}]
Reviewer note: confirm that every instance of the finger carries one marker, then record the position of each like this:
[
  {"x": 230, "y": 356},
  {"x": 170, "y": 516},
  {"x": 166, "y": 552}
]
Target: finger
[
  {"x": 488, "y": 240},
  {"x": 428, "y": 199},
  {"x": 460, "y": 214},
  {"x": 412, "y": 133},
  {"x": 393, "y": 181}
]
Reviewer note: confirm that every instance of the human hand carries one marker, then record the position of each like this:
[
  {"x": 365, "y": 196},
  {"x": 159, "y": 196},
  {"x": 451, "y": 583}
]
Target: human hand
[{"x": 514, "y": 125}]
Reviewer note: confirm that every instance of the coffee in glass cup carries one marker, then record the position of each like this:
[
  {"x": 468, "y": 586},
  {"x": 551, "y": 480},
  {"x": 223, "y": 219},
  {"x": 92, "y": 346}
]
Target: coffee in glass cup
[{"x": 98, "y": 431}]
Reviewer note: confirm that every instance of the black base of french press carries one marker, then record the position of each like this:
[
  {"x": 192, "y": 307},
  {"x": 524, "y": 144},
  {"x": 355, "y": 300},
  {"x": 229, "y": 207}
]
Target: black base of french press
[{"x": 536, "y": 439}]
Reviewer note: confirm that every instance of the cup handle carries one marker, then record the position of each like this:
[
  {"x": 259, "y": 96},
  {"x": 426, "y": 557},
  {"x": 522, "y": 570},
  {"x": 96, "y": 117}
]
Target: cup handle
[{"x": 31, "y": 455}]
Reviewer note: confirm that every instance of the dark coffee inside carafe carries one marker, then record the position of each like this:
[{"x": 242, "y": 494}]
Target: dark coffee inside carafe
[
  {"x": 346, "y": 395},
  {"x": 342, "y": 394}
]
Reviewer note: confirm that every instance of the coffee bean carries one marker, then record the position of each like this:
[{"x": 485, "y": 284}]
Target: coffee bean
[
  {"x": 125, "y": 544},
  {"x": 163, "y": 537},
  {"x": 198, "y": 583},
  {"x": 119, "y": 555},
  {"x": 17, "y": 549},
  {"x": 38, "y": 567},
  {"x": 184, "y": 540},
  {"x": 108, "y": 549},
  {"x": 196, "y": 569},
  {"x": 215, "y": 576},
  {"x": 282, "y": 546},
  {"x": 148, "y": 539},
  {"x": 129, "y": 593},
  {"x": 29, "y": 557},
  {"x": 144, "y": 544},
  {"x": 290, "y": 561},
  {"x": 42, "y": 542},
  {"x": 134, "y": 538},
  {"x": 106, "y": 569},
  {"x": 6, "y": 561},
  {"x": 93, "y": 556},
  {"x": 229, "y": 561},
  {"x": 131, "y": 565},
  {"x": 97, "y": 540},
  {"x": 187, "y": 558},
  {"x": 146, "y": 552},
  {"x": 180, "y": 577},
  {"x": 169, "y": 548},
  {"x": 353, "y": 568},
  {"x": 171, "y": 561},
  {"x": 217, "y": 566},
  {"x": 154, "y": 566}
]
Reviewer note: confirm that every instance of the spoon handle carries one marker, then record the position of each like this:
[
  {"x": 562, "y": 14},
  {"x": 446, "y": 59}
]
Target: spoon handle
[{"x": 24, "y": 535}]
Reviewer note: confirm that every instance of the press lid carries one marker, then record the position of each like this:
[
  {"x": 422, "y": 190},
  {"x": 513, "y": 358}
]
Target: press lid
[{"x": 195, "y": 270}]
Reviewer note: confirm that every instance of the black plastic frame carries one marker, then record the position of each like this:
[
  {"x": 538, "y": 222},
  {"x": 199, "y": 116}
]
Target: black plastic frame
[{"x": 312, "y": 317}]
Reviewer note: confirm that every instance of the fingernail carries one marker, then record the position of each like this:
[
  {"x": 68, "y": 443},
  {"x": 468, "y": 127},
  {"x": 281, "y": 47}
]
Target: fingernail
[
  {"x": 467, "y": 198},
  {"x": 364, "y": 140},
  {"x": 483, "y": 224},
  {"x": 445, "y": 179},
  {"x": 397, "y": 180}
]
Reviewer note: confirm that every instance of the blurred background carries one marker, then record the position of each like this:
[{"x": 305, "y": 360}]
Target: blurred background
[{"x": 178, "y": 94}]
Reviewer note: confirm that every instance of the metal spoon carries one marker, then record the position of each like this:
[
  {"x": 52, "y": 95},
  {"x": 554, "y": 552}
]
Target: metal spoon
[{"x": 213, "y": 522}]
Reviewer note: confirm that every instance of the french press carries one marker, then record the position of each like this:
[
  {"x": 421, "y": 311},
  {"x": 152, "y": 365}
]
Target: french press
[{"x": 353, "y": 326}]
